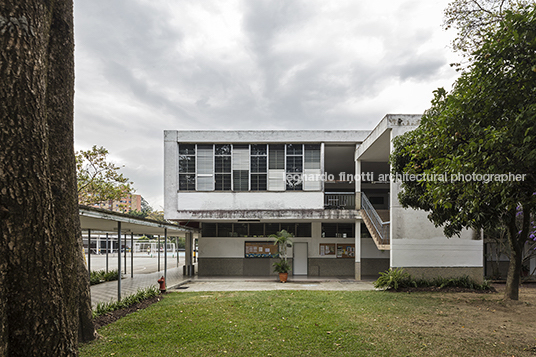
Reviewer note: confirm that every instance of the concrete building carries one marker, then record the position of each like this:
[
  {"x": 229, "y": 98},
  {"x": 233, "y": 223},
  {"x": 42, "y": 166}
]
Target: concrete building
[
  {"x": 331, "y": 189},
  {"x": 130, "y": 202}
]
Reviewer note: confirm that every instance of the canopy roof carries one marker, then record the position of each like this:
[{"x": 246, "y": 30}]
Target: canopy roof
[{"x": 100, "y": 220}]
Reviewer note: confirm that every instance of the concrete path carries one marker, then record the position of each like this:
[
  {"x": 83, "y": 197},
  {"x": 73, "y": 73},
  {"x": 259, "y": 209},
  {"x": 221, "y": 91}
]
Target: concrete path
[
  {"x": 263, "y": 283},
  {"x": 107, "y": 292}
]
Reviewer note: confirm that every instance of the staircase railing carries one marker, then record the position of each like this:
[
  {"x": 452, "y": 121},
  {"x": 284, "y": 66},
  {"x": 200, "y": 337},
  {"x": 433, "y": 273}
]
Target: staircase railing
[
  {"x": 382, "y": 228},
  {"x": 339, "y": 200}
]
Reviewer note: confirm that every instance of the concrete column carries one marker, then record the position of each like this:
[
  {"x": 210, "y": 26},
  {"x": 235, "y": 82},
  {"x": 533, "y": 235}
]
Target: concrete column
[
  {"x": 119, "y": 261},
  {"x": 89, "y": 251},
  {"x": 358, "y": 250},
  {"x": 131, "y": 254},
  {"x": 188, "y": 267},
  {"x": 165, "y": 253}
]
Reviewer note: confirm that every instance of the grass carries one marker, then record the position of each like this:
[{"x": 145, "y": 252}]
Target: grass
[{"x": 321, "y": 323}]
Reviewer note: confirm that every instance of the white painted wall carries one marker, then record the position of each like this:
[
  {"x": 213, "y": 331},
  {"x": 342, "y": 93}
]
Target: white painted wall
[
  {"x": 416, "y": 242},
  {"x": 436, "y": 252},
  {"x": 250, "y": 200}
]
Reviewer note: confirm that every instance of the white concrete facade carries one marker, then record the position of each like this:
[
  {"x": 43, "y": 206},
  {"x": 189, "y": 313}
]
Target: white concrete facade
[{"x": 233, "y": 216}]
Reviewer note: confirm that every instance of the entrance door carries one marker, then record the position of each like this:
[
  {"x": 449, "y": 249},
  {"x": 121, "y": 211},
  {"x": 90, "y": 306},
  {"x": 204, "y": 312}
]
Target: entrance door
[{"x": 300, "y": 258}]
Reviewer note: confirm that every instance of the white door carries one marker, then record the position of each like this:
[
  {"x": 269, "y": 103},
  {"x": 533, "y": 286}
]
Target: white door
[{"x": 300, "y": 258}]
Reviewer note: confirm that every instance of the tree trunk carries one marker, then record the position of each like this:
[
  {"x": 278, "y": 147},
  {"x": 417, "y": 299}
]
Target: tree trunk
[
  {"x": 60, "y": 105},
  {"x": 40, "y": 297},
  {"x": 516, "y": 240}
]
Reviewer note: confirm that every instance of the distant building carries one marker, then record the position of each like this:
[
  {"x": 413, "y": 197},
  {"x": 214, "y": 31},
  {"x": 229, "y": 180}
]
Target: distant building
[
  {"x": 131, "y": 202},
  {"x": 330, "y": 188}
]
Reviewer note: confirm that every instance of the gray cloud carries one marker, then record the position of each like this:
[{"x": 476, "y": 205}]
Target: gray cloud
[{"x": 143, "y": 67}]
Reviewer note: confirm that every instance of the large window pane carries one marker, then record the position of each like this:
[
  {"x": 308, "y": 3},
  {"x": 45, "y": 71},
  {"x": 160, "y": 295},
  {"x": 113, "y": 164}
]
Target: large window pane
[
  {"x": 271, "y": 228},
  {"x": 240, "y": 230},
  {"x": 240, "y": 180},
  {"x": 329, "y": 230},
  {"x": 277, "y": 157},
  {"x": 303, "y": 230},
  {"x": 223, "y": 182},
  {"x": 312, "y": 156},
  {"x": 289, "y": 227},
  {"x": 225, "y": 229},
  {"x": 258, "y": 182},
  {"x": 187, "y": 182},
  {"x": 209, "y": 230},
  {"x": 256, "y": 229}
]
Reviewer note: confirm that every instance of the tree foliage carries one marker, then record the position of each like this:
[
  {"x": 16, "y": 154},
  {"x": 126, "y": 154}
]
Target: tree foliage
[
  {"x": 484, "y": 129},
  {"x": 99, "y": 180},
  {"x": 474, "y": 18}
]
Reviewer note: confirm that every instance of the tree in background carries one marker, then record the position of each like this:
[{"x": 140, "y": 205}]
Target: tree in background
[
  {"x": 474, "y": 18},
  {"x": 45, "y": 306},
  {"x": 98, "y": 179},
  {"x": 484, "y": 126}
]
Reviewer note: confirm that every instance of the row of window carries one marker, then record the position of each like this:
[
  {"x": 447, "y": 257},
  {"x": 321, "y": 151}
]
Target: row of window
[
  {"x": 248, "y": 167},
  {"x": 329, "y": 230},
  {"x": 254, "y": 229}
]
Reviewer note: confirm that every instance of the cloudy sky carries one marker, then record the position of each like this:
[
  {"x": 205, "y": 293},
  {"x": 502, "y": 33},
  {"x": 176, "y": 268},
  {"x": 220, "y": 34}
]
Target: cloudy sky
[{"x": 145, "y": 66}]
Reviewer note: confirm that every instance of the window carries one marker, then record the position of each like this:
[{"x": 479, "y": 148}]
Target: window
[
  {"x": 303, "y": 229},
  {"x": 240, "y": 167},
  {"x": 223, "y": 167},
  {"x": 277, "y": 157},
  {"x": 209, "y": 230},
  {"x": 338, "y": 230},
  {"x": 294, "y": 170},
  {"x": 186, "y": 167},
  {"x": 205, "y": 167},
  {"x": 258, "y": 168},
  {"x": 312, "y": 157}
]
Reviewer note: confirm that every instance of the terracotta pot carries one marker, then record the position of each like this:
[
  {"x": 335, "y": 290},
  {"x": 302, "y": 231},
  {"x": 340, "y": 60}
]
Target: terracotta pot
[{"x": 283, "y": 277}]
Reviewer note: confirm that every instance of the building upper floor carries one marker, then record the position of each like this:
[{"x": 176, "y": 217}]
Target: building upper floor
[{"x": 267, "y": 169}]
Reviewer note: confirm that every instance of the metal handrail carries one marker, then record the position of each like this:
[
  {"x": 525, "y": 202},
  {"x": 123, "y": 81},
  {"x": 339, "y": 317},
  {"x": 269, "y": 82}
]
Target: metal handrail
[
  {"x": 382, "y": 228},
  {"x": 339, "y": 200}
]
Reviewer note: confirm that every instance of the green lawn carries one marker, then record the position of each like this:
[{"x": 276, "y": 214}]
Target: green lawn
[{"x": 320, "y": 323}]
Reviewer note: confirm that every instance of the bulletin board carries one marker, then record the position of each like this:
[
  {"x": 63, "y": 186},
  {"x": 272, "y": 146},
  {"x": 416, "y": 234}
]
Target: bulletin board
[
  {"x": 327, "y": 249},
  {"x": 261, "y": 250},
  {"x": 345, "y": 250}
]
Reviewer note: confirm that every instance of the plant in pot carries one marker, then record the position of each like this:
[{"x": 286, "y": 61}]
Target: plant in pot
[
  {"x": 282, "y": 267},
  {"x": 283, "y": 241}
]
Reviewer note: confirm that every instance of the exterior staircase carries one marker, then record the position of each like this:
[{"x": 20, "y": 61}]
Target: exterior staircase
[{"x": 374, "y": 220}]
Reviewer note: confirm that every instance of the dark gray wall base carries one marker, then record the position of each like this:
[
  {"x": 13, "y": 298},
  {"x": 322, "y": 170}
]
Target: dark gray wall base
[
  {"x": 475, "y": 273},
  {"x": 331, "y": 267},
  {"x": 373, "y": 267}
]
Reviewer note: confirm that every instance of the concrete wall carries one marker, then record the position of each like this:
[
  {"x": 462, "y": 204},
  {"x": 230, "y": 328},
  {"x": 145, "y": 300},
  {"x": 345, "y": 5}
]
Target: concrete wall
[{"x": 288, "y": 200}]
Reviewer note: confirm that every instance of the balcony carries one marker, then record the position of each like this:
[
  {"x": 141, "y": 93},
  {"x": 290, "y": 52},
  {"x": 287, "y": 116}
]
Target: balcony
[{"x": 339, "y": 200}]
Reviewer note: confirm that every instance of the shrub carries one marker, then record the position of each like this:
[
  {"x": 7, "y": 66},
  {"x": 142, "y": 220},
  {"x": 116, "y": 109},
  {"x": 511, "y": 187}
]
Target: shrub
[
  {"x": 142, "y": 294},
  {"x": 100, "y": 276},
  {"x": 393, "y": 279},
  {"x": 398, "y": 278}
]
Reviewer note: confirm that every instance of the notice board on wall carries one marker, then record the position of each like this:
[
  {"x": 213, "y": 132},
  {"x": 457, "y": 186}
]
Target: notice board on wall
[
  {"x": 327, "y": 249},
  {"x": 345, "y": 250},
  {"x": 261, "y": 250}
]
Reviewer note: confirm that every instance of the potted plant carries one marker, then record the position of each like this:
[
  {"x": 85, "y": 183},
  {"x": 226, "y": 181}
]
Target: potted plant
[
  {"x": 282, "y": 240},
  {"x": 282, "y": 267}
]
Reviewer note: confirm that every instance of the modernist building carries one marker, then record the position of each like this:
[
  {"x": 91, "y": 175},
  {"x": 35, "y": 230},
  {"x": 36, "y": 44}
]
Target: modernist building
[{"x": 331, "y": 189}]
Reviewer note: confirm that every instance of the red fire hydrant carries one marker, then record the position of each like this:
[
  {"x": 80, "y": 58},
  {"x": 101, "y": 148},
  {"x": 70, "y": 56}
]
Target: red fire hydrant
[{"x": 162, "y": 282}]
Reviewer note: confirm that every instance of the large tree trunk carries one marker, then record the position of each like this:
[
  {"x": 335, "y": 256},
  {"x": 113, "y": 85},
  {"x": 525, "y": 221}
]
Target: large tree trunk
[
  {"x": 516, "y": 240},
  {"x": 40, "y": 297},
  {"x": 60, "y": 104}
]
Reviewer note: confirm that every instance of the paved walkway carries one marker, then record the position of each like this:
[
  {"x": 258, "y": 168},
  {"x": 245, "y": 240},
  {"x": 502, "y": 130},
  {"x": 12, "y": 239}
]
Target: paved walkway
[
  {"x": 106, "y": 292},
  {"x": 271, "y": 283}
]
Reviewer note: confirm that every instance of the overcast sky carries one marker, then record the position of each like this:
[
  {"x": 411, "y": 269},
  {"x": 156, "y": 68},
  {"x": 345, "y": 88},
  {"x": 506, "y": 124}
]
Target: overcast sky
[{"x": 145, "y": 66}]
